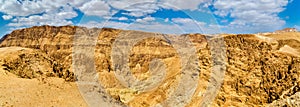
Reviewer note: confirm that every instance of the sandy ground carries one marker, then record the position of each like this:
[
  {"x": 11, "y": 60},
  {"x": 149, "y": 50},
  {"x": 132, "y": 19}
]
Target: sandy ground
[
  {"x": 48, "y": 92},
  {"x": 285, "y": 36},
  {"x": 39, "y": 92},
  {"x": 289, "y": 50}
]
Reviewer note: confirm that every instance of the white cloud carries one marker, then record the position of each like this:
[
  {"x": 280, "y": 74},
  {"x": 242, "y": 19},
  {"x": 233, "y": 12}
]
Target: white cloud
[
  {"x": 112, "y": 24},
  {"x": 17, "y": 9},
  {"x": 138, "y": 8},
  {"x": 27, "y": 8},
  {"x": 247, "y": 15},
  {"x": 145, "y": 19},
  {"x": 141, "y": 9},
  {"x": 175, "y": 26},
  {"x": 7, "y": 17},
  {"x": 39, "y": 20},
  {"x": 184, "y": 4},
  {"x": 95, "y": 7},
  {"x": 123, "y": 18},
  {"x": 66, "y": 12},
  {"x": 54, "y": 17},
  {"x": 166, "y": 20},
  {"x": 251, "y": 15},
  {"x": 193, "y": 26},
  {"x": 53, "y": 14},
  {"x": 24, "y": 13},
  {"x": 124, "y": 4},
  {"x": 148, "y": 18},
  {"x": 158, "y": 27},
  {"x": 76, "y": 3},
  {"x": 150, "y": 27}
]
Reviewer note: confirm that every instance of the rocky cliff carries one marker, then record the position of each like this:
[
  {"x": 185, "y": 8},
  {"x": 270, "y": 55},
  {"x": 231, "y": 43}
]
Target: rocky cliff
[{"x": 260, "y": 69}]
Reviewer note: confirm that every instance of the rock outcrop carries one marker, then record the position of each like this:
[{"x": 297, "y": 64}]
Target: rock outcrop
[
  {"x": 56, "y": 42},
  {"x": 260, "y": 70},
  {"x": 287, "y": 30}
]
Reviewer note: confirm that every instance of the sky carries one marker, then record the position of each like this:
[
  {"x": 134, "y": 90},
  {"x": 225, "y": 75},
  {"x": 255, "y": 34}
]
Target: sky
[{"x": 163, "y": 16}]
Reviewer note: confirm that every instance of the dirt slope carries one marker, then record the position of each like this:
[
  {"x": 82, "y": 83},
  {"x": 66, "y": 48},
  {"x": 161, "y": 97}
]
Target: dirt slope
[{"x": 18, "y": 90}]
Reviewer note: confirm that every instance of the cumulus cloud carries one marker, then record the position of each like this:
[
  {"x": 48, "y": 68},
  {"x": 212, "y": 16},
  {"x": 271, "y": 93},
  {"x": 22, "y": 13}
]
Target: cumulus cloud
[
  {"x": 139, "y": 8},
  {"x": 175, "y": 26},
  {"x": 125, "y": 4},
  {"x": 150, "y": 27},
  {"x": 34, "y": 13},
  {"x": 67, "y": 12},
  {"x": 184, "y": 4},
  {"x": 193, "y": 26},
  {"x": 20, "y": 9},
  {"x": 31, "y": 13},
  {"x": 145, "y": 19},
  {"x": 26, "y": 7},
  {"x": 251, "y": 15},
  {"x": 7, "y": 17},
  {"x": 111, "y": 24},
  {"x": 38, "y": 20},
  {"x": 95, "y": 7},
  {"x": 142, "y": 9},
  {"x": 123, "y": 18},
  {"x": 166, "y": 20},
  {"x": 55, "y": 17},
  {"x": 246, "y": 15}
]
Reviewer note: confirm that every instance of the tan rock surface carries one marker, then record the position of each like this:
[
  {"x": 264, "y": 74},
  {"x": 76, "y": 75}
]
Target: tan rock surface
[{"x": 260, "y": 70}]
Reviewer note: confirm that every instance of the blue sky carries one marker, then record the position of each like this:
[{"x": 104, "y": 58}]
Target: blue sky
[
  {"x": 291, "y": 14},
  {"x": 164, "y": 16}
]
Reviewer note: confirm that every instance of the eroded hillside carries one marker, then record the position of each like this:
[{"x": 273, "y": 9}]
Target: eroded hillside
[{"x": 260, "y": 69}]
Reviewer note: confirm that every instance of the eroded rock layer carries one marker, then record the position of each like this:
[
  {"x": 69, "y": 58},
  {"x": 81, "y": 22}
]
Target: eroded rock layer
[{"x": 260, "y": 69}]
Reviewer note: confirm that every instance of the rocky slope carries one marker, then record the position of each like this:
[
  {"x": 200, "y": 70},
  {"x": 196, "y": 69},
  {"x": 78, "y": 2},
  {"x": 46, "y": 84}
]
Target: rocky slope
[
  {"x": 260, "y": 69},
  {"x": 28, "y": 79}
]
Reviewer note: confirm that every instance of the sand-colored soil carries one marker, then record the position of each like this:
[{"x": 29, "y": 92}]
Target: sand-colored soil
[{"x": 37, "y": 92}]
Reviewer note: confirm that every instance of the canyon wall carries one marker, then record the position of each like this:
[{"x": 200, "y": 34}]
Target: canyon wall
[{"x": 260, "y": 69}]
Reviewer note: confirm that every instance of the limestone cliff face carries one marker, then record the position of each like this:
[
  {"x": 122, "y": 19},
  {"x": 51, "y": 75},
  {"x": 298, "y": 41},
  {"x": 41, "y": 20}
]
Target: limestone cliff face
[
  {"x": 257, "y": 71},
  {"x": 260, "y": 69},
  {"x": 56, "y": 42}
]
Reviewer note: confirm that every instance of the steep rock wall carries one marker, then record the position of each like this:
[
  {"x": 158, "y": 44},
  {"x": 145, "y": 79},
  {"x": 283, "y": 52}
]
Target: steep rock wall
[{"x": 257, "y": 73}]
